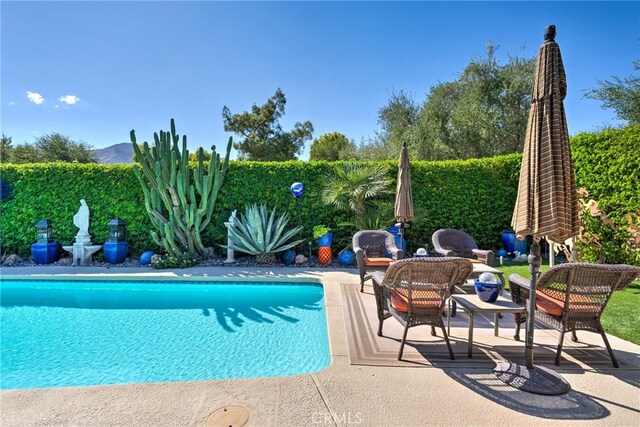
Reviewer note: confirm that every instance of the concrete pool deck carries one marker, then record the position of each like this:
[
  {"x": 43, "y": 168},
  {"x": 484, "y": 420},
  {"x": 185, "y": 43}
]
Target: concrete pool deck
[{"x": 342, "y": 394}]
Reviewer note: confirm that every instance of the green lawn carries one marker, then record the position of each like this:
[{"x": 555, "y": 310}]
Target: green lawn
[{"x": 622, "y": 315}]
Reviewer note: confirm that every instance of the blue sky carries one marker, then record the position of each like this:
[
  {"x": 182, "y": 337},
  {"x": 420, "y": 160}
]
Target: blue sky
[{"x": 96, "y": 70}]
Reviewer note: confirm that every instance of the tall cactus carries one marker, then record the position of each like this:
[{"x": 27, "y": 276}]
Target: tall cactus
[{"x": 179, "y": 209}]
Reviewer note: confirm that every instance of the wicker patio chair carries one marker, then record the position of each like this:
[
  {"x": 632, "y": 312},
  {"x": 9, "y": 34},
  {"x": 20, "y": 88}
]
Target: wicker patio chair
[
  {"x": 455, "y": 243},
  {"x": 572, "y": 297},
  {"x": 414, "y": 292},
  {"x": 371, "y": 248}
]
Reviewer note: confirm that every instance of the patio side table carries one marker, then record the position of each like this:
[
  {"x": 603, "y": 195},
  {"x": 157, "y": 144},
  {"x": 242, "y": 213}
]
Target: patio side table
[{"x": 471, "y": 304}]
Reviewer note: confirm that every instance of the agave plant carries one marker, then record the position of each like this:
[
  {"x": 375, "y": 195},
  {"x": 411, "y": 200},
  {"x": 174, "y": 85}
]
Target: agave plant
[{"x": 260, "y": 234}]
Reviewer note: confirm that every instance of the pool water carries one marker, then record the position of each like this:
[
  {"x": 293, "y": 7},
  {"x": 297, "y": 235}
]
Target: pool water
[{"x": 74, "y": 333}]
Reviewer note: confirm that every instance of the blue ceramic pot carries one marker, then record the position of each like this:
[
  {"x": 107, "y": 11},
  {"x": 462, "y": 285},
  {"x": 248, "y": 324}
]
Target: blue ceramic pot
[
  {"x": 347, "y": 257},
  {"x": 520, "y": 246},
  {"x": 145, "y": 258},
  {"x": 326, "y": 240},
  {"x": 509, "y": 240},
  {"x": 400, "y": 241},
  {"x": 45, "y": 253},
  {"x": 487, "y": 292},
  {"x": 116, "y": 252},
  {"x": 289, "y": 257}
]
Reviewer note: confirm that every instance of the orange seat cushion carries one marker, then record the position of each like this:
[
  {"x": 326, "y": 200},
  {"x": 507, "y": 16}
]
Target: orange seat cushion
[
  {"x": 377, "y": 262},
  {"x": 400, "y": 300},
  {"x": 555, "y": 307}
]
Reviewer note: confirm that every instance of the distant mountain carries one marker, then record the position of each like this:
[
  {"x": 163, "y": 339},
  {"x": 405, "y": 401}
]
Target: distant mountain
[{"x": 117, "y": 153}]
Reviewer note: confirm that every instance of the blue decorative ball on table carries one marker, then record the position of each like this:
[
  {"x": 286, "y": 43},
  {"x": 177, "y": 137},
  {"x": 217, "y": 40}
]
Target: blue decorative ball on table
[{"x": 145, "y": 258}]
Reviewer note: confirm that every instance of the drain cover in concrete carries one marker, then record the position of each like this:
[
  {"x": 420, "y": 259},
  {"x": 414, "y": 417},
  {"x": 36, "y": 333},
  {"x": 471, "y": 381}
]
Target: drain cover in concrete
[{"x": 229, "y": 416}]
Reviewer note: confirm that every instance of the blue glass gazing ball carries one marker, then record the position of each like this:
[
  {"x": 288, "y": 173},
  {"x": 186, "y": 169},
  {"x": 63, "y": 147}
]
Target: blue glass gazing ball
[
  {"x": 297, "y": 189},
  {"x": 145, "y": 258}
]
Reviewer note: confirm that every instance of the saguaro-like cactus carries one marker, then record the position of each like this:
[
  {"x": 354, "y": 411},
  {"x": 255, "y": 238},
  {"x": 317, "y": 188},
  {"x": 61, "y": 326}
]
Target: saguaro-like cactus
[{"x": 179, "y": 208}]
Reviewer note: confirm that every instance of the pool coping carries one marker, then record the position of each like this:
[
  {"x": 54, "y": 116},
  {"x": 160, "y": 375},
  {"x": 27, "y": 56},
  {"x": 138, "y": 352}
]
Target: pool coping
[{"x": 341, "y": 394}]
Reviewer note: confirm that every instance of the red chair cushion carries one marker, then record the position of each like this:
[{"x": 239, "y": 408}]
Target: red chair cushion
[
  {"x": 555, "y": 307},
  {"x": 400, "y": 300},
  {"x": 377, "y": 262}
]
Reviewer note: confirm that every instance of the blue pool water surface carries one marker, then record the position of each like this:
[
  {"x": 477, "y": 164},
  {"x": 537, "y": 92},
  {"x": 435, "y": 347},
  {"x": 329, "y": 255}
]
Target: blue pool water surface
[{"x": 57, "y": 333}]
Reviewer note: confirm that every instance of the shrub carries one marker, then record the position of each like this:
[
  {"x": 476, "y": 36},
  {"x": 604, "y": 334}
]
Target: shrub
[
  {"x": 474, "y": 195},
  {"x": 259, "y": 233},
  {"x": 607, "y": 165},
  {"x": 179, "y": 260}
]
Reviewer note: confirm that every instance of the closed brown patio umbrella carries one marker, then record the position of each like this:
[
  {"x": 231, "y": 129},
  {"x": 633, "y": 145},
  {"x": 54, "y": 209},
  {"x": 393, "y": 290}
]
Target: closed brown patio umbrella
[
  {"x": 403, "y": 210},
  {"x": 547, "y": 204}
]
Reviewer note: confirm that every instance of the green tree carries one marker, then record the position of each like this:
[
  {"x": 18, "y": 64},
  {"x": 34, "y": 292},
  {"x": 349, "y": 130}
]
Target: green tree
[
  {"x": 26, "y": 153},
  {"x": 264, "y": 139},
  {"x": 6, "y": 150},
  {"x": 621, "y": 95},
  {"x": 483, "y": 113},
  {"x": 56, "y": 147},
  {"x": 332, "y": 146}
]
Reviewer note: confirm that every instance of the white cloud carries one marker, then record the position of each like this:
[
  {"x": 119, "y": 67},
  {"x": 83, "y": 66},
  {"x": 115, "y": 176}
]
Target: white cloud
[
  {"x": 35, "y": 97},
  {"x": 69, "y": 99},
  {"x": 11, "y": 103}
]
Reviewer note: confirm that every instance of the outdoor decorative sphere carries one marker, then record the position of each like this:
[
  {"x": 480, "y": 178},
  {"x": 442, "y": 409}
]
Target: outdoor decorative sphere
[
  {"x": 145, "y": 258},
  {"x": 297, "y": 189},
  {"x": 501, "y": 252},
  {"x": 346, "y": 257},
  {"x": 289, "y": 257}
]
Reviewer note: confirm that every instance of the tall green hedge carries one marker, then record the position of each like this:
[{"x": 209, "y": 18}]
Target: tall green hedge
[
  {"x": 474, "y": 195},
  {"x": 607, "y": 165}
]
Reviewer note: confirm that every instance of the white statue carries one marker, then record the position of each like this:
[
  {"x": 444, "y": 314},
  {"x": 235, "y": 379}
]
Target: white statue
[
  {"x": 232, "y": 218},
  {"x": 82, "y": 249},
  {"x": 81, "y": 218}
]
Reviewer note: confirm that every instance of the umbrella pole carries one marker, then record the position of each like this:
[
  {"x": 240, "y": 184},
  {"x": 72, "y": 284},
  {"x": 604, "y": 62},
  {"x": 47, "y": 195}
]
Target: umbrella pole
[
  {"x": 535, "y": 260},
  {"x": 531, "y": 378}
]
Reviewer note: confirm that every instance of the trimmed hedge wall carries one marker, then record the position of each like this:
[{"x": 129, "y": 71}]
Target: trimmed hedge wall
[
  {"x": 474, "y": 195},
  {"x": 607, "y": 165}
]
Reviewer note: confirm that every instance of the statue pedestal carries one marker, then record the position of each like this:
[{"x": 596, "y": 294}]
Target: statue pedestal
[
  {"x": 82, "y": 250},
  {"x": 230, "y": 252}
]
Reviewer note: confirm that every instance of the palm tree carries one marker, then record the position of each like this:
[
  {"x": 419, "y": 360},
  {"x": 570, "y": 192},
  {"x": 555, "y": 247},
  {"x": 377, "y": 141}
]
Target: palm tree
[{"x": 356, "y": 187}]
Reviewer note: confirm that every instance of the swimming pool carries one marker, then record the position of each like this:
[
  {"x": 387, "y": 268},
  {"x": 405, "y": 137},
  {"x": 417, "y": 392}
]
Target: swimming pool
[{"x": 71, "y": 333}]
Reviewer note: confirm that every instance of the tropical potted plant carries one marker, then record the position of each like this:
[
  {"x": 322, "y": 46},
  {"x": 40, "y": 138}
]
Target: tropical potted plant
[{"x": 323, "y": 234}]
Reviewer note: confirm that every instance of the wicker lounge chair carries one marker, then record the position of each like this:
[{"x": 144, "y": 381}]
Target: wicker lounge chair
[
  {"x": 371, "y": 248},
  {"x": 455, "y": 243},
  {"x": 414, "y": 291},
  {"x": 572, "y": 297}
]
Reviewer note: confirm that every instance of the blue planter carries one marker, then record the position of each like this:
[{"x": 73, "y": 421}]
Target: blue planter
[
  {"x": 45, "y": 253},
  {"x": 521, "y": 246},
  {"x": 400, "y": 241},
  {"x": 115, "y": 252},
  {"x": 487, "y": 292},
  {"x": 289, "y": 257},
  {"x": 326, "y": 240},
  {"x": 145, "y": 258},
  {"x": 347, "y": 257},
  {"x": 509, "y": 241}
]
